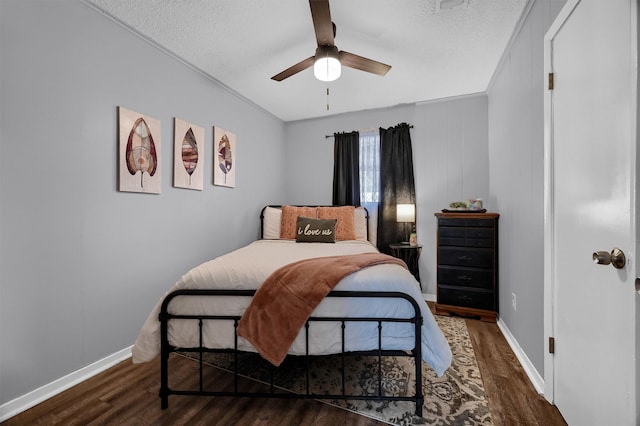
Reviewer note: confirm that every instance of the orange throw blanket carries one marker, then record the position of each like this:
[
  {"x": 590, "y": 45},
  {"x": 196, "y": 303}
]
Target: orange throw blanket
[{"x": 285, "y": 301}]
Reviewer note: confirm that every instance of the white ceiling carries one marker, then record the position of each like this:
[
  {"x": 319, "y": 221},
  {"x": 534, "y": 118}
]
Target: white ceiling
[{"x": 434, "y": 52}]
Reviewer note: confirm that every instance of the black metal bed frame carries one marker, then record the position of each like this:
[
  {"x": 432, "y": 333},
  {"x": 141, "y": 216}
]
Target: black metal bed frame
[{"x": 166, "y": 349}]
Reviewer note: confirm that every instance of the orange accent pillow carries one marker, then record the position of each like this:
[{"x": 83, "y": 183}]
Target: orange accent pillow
[
  {"x": 345, "y": 228},
  {"x": 290, "y": 219}
]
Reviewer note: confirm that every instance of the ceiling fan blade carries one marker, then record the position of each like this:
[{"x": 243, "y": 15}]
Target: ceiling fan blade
[
  {"x": 363, "y": 64},
  {"x": 300, "y": 66},
  {"x": 322, "y": 24}
]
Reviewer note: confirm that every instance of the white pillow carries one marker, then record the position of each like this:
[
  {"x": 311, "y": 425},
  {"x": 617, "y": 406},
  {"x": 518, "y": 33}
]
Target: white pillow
[
  {"x": 360, "y": 223},
  {"x": 271, "y": 223}
]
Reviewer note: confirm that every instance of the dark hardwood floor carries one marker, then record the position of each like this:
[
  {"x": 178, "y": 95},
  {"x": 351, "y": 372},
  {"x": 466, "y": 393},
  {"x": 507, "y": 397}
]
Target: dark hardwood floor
[
  {"x": 512, "y": 398},
  {"x": 127, "y": 394}
]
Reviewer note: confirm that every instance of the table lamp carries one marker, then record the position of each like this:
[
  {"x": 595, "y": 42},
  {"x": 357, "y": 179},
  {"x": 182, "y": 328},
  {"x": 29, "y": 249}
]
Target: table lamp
[{"x": 406, "y": 213}]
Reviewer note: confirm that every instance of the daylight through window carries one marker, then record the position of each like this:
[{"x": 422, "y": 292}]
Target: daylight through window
[{"x": 369, "y": 167}]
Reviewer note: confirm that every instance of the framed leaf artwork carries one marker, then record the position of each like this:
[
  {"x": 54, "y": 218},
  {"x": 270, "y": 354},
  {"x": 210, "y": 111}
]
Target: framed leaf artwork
[
  {"x": 139, "y": 154},
  {"x": 188, "y": 155},
  {"x": 224, "y": 161}
]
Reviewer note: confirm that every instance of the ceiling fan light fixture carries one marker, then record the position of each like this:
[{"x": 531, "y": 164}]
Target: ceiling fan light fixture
[
  {"x": 327, "y": 65},
  {"x": 328, "y": 61}
]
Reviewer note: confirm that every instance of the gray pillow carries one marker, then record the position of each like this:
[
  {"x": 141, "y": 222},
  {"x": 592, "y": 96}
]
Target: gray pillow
[{"x": 309, "y": 230}]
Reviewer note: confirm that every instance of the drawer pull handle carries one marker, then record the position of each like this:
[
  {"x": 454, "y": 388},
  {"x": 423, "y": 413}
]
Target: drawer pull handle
[
  {"x": 466, "y": 278},
  {"x": 465, "y": 258}
]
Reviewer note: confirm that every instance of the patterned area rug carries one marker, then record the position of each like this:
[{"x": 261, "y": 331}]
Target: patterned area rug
[{"x": 456, "y": 398}]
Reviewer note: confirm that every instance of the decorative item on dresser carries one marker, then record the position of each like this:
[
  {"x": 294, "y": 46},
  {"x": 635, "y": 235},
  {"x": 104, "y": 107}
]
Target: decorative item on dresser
[{"x": 467, "y": 277}]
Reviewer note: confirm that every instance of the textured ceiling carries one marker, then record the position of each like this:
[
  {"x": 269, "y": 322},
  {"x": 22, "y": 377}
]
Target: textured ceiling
[{"x": 434, "y": 52}]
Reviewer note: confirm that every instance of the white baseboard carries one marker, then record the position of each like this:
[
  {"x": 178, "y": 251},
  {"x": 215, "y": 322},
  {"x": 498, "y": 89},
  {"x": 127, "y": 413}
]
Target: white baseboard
[
  {"x": 24, "y": 402},
  {"x": 534, "y": 377}
]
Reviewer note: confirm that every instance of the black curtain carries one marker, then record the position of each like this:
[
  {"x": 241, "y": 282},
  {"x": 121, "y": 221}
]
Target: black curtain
[
  {"x": 396, "y": 183},
  {"x": 346, "y": 169}
]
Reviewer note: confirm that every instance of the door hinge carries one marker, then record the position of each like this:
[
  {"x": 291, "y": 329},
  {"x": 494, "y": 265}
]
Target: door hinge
[
  {"x": 550, "y": 81},
  {"x": 552, "y": 345}
]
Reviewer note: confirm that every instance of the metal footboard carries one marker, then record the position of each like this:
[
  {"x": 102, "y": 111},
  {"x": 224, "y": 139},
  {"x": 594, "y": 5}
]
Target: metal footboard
[{"x": 380, "y": 352}]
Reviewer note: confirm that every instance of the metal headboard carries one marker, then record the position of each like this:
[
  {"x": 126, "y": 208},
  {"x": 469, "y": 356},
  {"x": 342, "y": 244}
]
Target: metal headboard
[{"x": 279, "y": 206}]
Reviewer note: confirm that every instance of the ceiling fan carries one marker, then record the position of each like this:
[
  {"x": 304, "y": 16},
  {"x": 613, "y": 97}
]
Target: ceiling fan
[{"x": 328, "y": 60}]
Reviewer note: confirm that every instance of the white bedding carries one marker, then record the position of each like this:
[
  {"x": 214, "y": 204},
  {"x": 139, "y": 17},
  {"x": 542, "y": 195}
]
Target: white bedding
[{"x": 247, "y": 267}]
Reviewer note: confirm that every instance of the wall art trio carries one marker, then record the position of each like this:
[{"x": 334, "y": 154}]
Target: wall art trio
[{"x": 139, "y": 154}]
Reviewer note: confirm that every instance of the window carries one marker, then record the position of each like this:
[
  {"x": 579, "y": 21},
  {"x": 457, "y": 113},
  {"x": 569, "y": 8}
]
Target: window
[
  {"x": 369, "y": 164},
  {"x": 369, "y": 168}
]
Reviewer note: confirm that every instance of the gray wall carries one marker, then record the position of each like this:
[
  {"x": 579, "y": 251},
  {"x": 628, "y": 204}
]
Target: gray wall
[
  {"x": 81, "y": 264},
  {"x": 450, "y": 155},
  {"x": 516, "y": 158}
]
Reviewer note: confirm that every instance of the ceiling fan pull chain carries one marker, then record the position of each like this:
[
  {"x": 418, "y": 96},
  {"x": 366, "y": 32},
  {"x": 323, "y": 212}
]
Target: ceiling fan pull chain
[
  {"x": 327, "y": 98},
  {"x": 327, "y": 83}
]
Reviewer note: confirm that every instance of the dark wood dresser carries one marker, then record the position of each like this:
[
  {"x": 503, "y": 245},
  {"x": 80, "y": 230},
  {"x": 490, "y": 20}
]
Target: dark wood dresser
[{"x": 467, "y": 277}]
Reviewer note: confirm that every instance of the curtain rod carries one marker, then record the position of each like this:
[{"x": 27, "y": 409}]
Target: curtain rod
[{"x": 330, "y": 136}]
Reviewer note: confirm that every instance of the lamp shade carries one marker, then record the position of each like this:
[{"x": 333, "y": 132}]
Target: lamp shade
[
  {"x": 327, "y": 63},
  {"x": 405, "y": 213}
]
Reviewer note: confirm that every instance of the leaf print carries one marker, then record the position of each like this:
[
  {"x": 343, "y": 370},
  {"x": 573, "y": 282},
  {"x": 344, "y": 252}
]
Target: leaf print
[
  {"x": 225, "y": 162},
  {"x": 141, "y": 151},
  {"x": 189, "y": 153}
]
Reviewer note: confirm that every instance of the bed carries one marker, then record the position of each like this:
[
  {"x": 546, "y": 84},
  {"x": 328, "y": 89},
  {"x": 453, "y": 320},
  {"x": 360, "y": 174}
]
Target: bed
[{"x": 376, "y": 309}]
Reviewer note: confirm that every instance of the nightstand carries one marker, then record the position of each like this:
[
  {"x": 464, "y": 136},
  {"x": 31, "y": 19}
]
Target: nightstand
[{"x": 410, "y": 254}]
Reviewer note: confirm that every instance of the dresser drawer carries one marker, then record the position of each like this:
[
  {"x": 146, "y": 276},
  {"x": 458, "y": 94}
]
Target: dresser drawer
[
  {"x": 467, "y": 297},
  {"x": 467, "y": 277},
  {"x": 485, "y": 233},
  {"x": 466, "y": 237},
  {"x": 453, "y": 231},
  {"x": 481, "y": 223},
  {"x": 460, "y": 256}
]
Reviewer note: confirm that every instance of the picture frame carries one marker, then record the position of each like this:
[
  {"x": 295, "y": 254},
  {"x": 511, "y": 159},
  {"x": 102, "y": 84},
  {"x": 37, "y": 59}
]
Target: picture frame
[
  {"x": 224, "y": 158},
  {"x": 140, "y": 153},
  {"x": 188, "y": 155}
]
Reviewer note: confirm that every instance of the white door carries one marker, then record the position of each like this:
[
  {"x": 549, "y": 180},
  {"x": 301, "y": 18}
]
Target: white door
[{"x": 590, "y": 186}]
